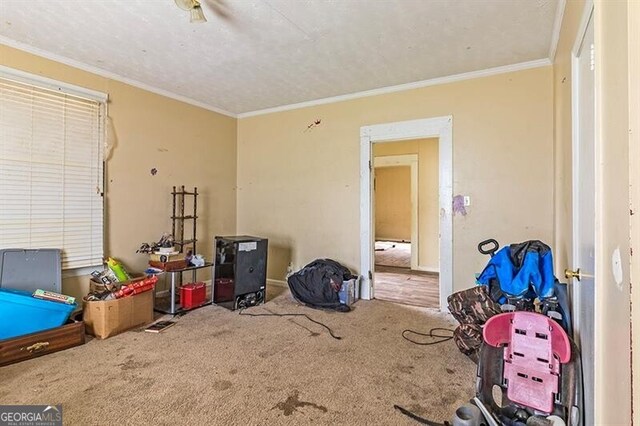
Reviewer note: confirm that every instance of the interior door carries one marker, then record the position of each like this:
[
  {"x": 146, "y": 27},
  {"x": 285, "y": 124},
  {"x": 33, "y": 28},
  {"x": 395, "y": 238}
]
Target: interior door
[{"x": 584, "y": 212}]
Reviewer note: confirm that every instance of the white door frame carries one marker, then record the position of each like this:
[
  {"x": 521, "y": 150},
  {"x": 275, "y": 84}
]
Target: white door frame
[
  {"x": 438, "y": 127},
  {"x": 410, "y": 160},
  {"x": 634, "y": 177},
  {"x": 587, "y": 17}
]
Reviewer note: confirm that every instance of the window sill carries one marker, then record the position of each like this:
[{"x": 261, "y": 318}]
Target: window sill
[{"x": 78, "y": 272}]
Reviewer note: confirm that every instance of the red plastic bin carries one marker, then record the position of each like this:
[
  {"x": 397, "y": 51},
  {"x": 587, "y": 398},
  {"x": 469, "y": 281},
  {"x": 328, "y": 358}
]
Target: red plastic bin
[
  {"x": 193, "y": 295},
  {"x": 224, "y": 290}
]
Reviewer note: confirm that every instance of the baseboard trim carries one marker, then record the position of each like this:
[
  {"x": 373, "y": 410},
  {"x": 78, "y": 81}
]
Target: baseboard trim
[
  {"x": 428, "y": 269},
  {"x": 277, "y": 283}
]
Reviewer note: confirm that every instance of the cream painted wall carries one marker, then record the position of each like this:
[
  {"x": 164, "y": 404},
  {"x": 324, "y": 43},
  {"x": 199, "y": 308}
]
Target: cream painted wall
[
  {"x": 613, "y": 372},
  {"x": 428, "y": 195},
  {"x": 393, "y": 203},
  {"x": 613, "y": 395},
  {"x": 301, "y": 188},
  {"x": 186, "y": 144}
]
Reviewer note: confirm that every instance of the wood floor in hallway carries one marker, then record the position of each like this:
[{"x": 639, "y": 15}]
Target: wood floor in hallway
[
  {"x": 402, "y": 285},
  {"x": 391, "y": 253}
]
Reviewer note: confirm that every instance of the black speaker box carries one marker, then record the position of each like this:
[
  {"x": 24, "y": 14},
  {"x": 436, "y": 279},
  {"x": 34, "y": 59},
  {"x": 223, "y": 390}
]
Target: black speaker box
[{"x": 240, "y": 278}]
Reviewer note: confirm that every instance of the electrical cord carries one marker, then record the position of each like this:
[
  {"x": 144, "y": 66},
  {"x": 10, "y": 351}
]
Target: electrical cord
[
  {"x": 431, "y": 335},
  {"x": 242, "y": 312},
  {"x": 418, "y": 418}
]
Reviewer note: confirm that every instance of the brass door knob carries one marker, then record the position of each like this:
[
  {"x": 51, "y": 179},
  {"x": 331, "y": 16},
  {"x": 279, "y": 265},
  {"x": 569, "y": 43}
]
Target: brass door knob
[{"x": 568, "y": 274}]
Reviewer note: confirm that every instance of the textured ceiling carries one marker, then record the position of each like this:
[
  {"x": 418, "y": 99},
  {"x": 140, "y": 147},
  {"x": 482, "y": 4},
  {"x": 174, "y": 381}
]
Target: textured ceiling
[{"x": 256, "y": 54}]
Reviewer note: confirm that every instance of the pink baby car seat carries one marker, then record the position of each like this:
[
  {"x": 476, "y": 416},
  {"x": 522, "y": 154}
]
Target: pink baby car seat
[{"x": 535, "y": 368}]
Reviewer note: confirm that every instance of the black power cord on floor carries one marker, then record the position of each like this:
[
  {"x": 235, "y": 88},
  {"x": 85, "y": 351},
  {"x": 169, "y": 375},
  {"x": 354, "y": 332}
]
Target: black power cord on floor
[
  {"x": 441, "y": 338},
  {"x": 273, "y": 314},
  {"x": 444, "y": 336},
  {"x": 418, "y": 418}
]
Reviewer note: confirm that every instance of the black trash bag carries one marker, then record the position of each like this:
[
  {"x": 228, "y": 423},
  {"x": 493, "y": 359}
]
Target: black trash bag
[{"x": 317, "y": 284}]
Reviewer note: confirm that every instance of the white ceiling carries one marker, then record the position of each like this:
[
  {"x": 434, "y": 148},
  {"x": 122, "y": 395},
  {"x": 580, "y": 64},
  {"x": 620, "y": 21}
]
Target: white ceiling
[{"x": 258, "y": 54}]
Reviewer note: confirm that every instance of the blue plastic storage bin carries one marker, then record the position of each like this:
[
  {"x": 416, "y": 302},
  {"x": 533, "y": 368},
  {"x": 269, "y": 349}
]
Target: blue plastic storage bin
[{"x": 21, "y": 313}]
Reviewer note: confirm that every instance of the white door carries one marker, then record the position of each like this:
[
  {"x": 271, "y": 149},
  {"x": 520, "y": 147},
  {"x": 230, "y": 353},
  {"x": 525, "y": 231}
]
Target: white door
[{"x": 584, "y": 211}]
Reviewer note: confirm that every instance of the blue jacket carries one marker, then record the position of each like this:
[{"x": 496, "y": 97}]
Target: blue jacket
[{"x": 520, "y": 268}]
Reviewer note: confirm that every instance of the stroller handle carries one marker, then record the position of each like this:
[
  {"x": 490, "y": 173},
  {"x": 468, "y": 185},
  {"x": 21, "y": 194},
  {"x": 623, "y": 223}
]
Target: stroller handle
[{"x": 490, "y": 250}]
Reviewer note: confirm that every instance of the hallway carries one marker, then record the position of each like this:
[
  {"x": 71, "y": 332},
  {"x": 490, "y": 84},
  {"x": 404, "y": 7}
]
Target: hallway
[{"x": 396, "y": 282}]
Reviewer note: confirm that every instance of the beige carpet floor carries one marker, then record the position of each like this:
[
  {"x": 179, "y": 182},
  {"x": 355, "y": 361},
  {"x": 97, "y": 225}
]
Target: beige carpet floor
[{"x": 217, "y": 367}]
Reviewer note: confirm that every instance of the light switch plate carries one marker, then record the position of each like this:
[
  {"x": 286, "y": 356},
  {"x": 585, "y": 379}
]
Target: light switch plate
[{"x": 467, "y": 201}]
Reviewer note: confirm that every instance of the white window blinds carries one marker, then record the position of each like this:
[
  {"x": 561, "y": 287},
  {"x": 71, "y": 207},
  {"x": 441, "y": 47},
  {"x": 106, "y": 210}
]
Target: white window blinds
[{"x": 51, "y": 172}]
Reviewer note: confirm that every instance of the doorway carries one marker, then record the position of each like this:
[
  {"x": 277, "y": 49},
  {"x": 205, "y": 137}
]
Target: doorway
[
  {"x": 439, "y": 128},
  {"x": 396, "y": 208},
  {"x": 405, "y": 222}
]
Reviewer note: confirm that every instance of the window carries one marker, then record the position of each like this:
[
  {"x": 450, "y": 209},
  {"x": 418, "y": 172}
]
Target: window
[{"x": 51, "y": 168}]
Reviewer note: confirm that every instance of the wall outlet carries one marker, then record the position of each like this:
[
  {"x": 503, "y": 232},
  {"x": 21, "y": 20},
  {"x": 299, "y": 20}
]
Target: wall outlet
[{"x": 467, "y": 201}]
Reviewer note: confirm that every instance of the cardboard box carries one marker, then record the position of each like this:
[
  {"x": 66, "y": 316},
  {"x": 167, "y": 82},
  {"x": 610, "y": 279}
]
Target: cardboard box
[
  {"x": 108, "y": 318},
  {"x": 164, "y": 258},
  {"x": 96, "y": 286},
  {"x": 175, "y": 265}
]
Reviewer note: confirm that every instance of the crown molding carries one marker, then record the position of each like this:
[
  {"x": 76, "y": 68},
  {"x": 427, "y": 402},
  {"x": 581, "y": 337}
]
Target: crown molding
[
  {"x": 402, "y": 87},
  {"x": 557, "y": 27},
  {"x": 108, "y": 74},
  {"x": 373, "y": 92}
]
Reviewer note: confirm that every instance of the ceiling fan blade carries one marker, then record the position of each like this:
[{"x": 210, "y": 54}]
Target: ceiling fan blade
[
  {"x": 186, "y": 4},
  {"x": 197, "y": 15},
  {"x": 220, "y": 8}
]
